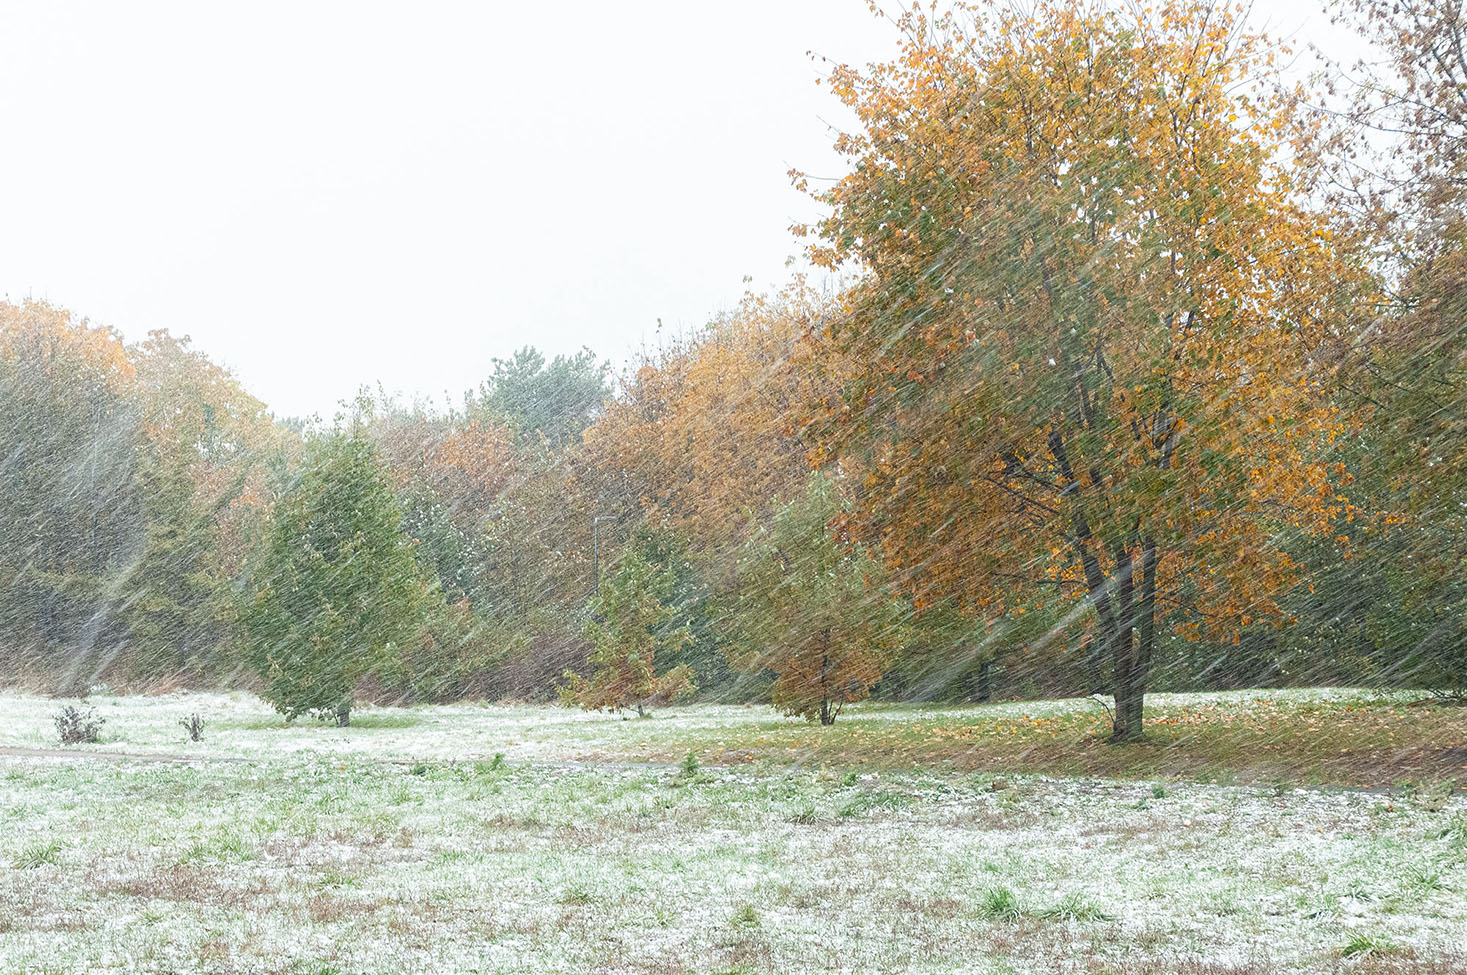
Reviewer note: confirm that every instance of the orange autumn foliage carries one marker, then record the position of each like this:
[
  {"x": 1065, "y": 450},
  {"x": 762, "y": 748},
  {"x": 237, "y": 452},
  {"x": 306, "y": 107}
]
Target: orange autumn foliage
[
  {"x": 707, "y": 435},
  {"x": 41, "y": 334},
  {"x": 1084, "y": 351}
]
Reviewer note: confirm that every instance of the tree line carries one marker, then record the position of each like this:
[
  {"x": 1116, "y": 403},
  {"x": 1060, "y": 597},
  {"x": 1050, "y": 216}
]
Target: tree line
[{"x": 1147, "y": 372}]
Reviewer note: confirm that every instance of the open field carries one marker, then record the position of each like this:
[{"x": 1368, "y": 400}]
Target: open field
[
  {"x": 1302, "y": 737},
  {"x": 898, "y": 840}
]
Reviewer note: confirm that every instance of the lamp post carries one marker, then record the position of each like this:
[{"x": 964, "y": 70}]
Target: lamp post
[{"x": 596, "y": 551}]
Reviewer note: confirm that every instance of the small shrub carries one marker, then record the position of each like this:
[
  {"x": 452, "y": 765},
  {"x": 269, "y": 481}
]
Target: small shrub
[
  {"x": 689, "y": 766},
  {"x": 498, "y": 764},
  {"x": 851, "y": 779},
  {"x": 78, "y": 725},
  {"x": 630, "y": 627},
  {"x": 1158, "y": 792},
  {"x": 194, "y": 725}
]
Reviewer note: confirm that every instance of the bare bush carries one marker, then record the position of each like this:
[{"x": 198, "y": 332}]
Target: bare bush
[
  {"x": 194, "y": 725},
  {"x": 78, "y": 725}
]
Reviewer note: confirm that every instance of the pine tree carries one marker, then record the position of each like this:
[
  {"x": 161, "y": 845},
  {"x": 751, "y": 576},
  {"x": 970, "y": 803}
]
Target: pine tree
[{"x": 337, "y": 593}]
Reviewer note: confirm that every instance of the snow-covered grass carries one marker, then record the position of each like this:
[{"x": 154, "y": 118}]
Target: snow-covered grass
[
  {"x": 401, "y": 845},
  {"x": 1298, "y": 737}
]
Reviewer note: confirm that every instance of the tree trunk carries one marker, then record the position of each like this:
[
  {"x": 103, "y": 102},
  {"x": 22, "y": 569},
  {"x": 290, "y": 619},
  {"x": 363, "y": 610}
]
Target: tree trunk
[
  {"x": 827, "y": 713},
  {"x": 1133, "y": 659},
  {"x": 1146, "y": 619},
  {"x": 1127, "y": 727},
  {"x": 1127, "y": 724},
  {"x": 1115, "y": 603},
  {"x": 985, "y": 682},
  {"x": 1091, "y": 648},
  {"x": 343, "y": 715}
]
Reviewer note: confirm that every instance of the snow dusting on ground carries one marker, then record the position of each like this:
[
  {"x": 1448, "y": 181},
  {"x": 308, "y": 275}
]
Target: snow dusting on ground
[{"x": 403, "y": 845}]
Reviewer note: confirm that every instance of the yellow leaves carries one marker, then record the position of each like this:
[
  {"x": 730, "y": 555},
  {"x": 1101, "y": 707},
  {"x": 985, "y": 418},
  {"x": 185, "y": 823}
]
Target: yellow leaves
[
  {"x": 477, "y": 457},
  {"x": 41, "y": 332},
  {"x": 1188, "y": 302},
  {"x": 712, "y": 430}
]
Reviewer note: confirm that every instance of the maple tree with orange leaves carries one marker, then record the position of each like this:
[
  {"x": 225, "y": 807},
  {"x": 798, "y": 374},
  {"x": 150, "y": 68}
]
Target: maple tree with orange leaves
[{"x": 1083, "y": 352}]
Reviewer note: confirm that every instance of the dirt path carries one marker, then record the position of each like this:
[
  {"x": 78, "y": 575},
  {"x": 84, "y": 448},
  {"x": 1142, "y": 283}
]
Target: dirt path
[
  {"x": 71, "y": 753},
  {"x": 170, "y": 758}
]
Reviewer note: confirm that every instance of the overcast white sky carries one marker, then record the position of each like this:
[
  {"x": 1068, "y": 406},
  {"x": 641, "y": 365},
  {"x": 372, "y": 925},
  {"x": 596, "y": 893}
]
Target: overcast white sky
[{"x": 327, "y": 194}]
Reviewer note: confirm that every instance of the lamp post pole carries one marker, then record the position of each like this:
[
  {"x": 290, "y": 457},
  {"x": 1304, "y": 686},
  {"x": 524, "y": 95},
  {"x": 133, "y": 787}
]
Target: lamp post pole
[{"x": 596, "y": 551}]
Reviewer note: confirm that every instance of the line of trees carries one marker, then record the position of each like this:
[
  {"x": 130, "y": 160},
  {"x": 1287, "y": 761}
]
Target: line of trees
[{"x": 1149, "y": 373}]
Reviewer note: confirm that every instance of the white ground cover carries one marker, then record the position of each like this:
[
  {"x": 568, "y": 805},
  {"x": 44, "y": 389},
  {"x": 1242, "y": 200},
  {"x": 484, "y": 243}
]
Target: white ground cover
[
  {"x": 240, "y": 725},
  {"x": 400, "y": 846}
]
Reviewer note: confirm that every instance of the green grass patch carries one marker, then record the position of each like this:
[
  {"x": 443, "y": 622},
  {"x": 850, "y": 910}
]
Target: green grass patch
[
  {"x": 39, "y": 855},
  {"x": 1279, "y": 738},
  {"x": 1362, "y": 944}
]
